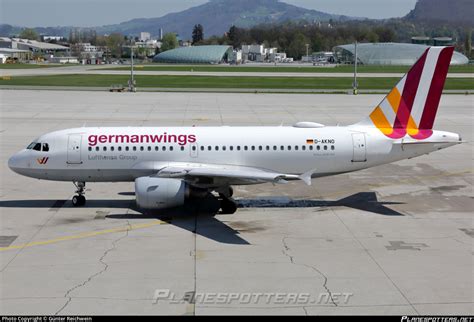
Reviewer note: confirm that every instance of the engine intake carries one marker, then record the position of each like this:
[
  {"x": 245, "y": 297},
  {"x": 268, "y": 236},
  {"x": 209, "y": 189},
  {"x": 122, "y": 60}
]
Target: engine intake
[{"x": 160, "y": 193}]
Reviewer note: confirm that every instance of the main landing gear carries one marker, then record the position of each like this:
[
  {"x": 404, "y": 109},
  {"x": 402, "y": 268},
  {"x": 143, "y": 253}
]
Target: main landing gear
[
  {"x": 228, "y": 205},
  {"x": 79, "y": 199}
]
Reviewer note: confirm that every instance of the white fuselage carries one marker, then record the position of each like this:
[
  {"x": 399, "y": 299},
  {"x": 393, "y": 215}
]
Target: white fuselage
[{"x": 114, "y": 154}]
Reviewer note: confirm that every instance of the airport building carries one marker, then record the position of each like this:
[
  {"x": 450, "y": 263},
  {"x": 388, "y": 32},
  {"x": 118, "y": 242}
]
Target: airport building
[
  {"x": 212, "y": 54},
  {"x": 387, "y": 54}
]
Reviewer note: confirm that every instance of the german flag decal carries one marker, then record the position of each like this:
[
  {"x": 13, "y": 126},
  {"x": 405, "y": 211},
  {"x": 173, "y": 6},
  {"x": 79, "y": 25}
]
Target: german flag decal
[{"x": 309, "y": 141}]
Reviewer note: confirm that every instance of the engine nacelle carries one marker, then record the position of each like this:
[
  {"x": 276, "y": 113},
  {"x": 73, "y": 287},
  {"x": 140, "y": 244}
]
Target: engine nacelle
[{"x": 160, "y": 193}]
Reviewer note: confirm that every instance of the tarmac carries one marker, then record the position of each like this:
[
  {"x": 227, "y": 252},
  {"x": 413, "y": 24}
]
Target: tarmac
[{"x": 394, "y": 239}]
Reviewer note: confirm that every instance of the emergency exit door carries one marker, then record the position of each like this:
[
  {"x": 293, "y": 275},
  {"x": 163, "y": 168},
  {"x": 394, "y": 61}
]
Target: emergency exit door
[
  {"x": 359, "y": 147},
  {"x": 74, "y": 149}
]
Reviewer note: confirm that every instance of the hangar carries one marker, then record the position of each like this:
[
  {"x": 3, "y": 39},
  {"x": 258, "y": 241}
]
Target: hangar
[
  {"x": 387, "y": 54},
  {"x": 210, "y": 54}
]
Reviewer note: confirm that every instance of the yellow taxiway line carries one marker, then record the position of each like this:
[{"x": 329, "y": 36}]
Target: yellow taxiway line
[{"x": 85, "y": 235}]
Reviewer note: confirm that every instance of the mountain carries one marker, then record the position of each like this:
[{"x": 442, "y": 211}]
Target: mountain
[
  {"x": 217, "y": 16},
  {"x": 455, "y": 11}
]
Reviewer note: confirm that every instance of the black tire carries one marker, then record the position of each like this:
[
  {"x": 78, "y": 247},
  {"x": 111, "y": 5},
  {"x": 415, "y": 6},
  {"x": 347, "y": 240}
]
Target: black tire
[
  {"x": 228, "y": 207},
  {"x": 76, "y": 201},
  {"x": 82, "y": 200}
]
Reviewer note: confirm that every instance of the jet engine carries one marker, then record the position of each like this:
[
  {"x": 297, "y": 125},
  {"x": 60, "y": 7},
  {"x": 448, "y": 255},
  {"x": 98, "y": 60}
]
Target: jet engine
[{"x": 160, "y": 193}]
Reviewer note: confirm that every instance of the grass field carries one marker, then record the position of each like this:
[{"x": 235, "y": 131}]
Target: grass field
[
  {"x": 30, "y": 66},
  {"x": 220, "y": 82},
  {"x": 287, "y": 69}
]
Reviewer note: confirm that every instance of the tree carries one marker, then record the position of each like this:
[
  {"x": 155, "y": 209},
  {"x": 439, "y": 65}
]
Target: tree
[
  {"x": 297, "y": 47},
  {"x": 114, "y": 43},
  {"x": 198, "y": 33},
  {"x": 29, "y": 33},
  {"x": 169, "y": 42}
]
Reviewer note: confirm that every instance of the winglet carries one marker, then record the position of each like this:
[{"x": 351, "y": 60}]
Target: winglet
[{"x": 306, "y": 177}]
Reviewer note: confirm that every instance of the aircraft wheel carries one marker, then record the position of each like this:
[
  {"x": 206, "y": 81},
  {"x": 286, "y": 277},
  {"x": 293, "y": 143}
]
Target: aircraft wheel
[
  {"x": 228, "y": 207},
  {"x": 78, "y": 201}
]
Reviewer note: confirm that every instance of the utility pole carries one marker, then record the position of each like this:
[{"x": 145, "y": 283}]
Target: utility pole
[
  {"x": 131, "y": 82},
  {"x": 354, "y": 84},
  {"x": 307, "y": 51}
]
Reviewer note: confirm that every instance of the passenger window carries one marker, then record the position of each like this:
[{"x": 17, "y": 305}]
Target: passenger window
[
  {"x": 111, "y": 148},
  {"x": 246, "y": 148},
  {"x": 37, "y": 147},
  {"x": 223, "y": 148},
  {"x": 182, "y": 148},
  {"x": 105, "y": 148},
  {"x": 134, "y": 148},
  {"x": 325, "y": 147},
  {"x": 311, "y": 147},
  {"x": 209, "y": 148},
  {"x": 260, "y": 148},
  {"x": 289, "y": 147},
  {"x": 97, "y": 148},
  {"x": 171, "y": 148},
  {"x": 296, "y": 147},
  {"x": 202, "y": 148},
  {"x": 253, "y": 148},
  {"x": 126, "y": 148},
  {"x": 164, "y": 148},
  {"x": 149, "y": 148},
  {"x": 238, "y": 147},
  {"x": 303, "y": 147},
  {"x": 282, "y": 148},
  {"x": 45, "y": 147},
  {"x": 141, "y": 148},
  {"x": 120, "y": 148},
  {"x": 217, "y": 148},
  {"x": 156, "y": 148},
  {"x": 90, "y": 148},
  {"x": 274, "y": 147},
  {"x": 332, "y": 147},
  {"x": 231, "y": 148},
  {"x": 267, "y": 148},
  {"x": 194, "y": 148},
  {"x": 318, "y": 148}
]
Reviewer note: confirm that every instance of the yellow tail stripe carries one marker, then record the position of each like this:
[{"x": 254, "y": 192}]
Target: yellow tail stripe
[
  {"x": 394, "y": 98},
  {"x": 380, "y": 121}
]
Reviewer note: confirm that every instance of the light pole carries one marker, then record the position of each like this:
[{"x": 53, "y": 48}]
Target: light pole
[
  {"x": 354, "y": 84},
  {"x": 131, "y": 82},
  {"x": 307, "y": 51}
]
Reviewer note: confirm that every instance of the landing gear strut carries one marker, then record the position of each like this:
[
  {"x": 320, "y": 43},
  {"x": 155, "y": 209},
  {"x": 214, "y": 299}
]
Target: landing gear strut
[{"x": 79, "y": 199}]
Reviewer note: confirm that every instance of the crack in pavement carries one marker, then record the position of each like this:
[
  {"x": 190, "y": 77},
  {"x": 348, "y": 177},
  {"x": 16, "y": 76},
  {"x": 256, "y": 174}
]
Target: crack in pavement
[
  {"x": 90, "y": 278},
  {"x": 285, "y": 251}
]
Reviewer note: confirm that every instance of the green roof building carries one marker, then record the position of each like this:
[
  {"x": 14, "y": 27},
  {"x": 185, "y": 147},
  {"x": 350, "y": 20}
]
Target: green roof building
[{"x": 212, "y": 54}]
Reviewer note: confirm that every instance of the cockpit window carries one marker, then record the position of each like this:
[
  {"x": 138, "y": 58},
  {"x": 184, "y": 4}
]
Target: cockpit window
[
  {"x": 37, "y": 147},
  {"x": 45, "y": 147},
  {"x": 31, "y": 146}
]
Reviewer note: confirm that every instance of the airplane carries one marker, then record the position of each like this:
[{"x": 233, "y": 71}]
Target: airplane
[{"x": 170, "y": 165}]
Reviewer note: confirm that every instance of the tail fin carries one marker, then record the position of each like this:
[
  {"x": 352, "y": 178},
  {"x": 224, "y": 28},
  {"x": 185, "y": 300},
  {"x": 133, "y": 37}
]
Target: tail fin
[{"x": 410, "y": 107}]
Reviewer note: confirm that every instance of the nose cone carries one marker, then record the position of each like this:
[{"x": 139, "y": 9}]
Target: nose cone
[{"x": 17, "y": 162}]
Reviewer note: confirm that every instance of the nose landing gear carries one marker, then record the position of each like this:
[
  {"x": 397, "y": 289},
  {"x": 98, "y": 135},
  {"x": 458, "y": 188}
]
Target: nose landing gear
[{"x": 79, "y": 199}]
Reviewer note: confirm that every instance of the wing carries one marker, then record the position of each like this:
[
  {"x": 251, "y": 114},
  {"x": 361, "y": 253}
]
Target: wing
[{"x": 218, "y": 175}]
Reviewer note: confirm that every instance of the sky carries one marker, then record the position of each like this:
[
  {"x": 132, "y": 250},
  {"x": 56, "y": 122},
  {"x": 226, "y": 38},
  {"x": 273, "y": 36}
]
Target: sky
[{"x": 89, "y": 13}]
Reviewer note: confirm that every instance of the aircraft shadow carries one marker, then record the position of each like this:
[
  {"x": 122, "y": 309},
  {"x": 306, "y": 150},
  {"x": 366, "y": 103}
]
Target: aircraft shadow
[
  {"x": 365, "y": 201},
  {"x": 198, "y": 216}
]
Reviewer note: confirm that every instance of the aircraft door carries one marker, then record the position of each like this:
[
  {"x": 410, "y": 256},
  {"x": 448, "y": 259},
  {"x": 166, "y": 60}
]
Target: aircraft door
[
  {"x": 359, "y": 146},
  {"x": 74, "y": 149},
  {"x": 193, "y": 150}
]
